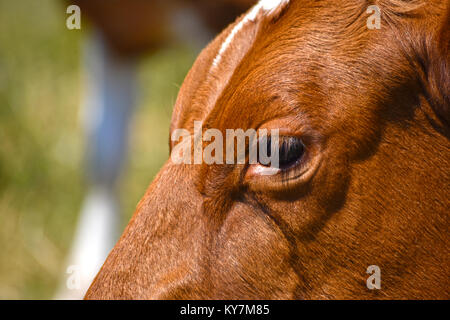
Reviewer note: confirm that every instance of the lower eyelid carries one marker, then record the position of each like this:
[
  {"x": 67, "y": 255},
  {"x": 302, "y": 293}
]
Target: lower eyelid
[{"x": 261, "y": 170}]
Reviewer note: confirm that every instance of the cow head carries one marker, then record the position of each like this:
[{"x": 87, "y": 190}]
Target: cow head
[{"x": 363, "y": 118}]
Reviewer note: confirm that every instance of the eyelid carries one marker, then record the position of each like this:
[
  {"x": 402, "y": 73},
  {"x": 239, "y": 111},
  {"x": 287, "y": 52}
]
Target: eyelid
[
  {"x": 262, "y": 170},
  {"x": 259, "y": 169},
  {"x": 257, "y": 179},
  {"x": 290, "y": 148}
]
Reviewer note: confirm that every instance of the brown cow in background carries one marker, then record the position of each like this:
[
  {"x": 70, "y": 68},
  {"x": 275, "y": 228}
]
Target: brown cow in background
[{"x": 137, "y": 26}]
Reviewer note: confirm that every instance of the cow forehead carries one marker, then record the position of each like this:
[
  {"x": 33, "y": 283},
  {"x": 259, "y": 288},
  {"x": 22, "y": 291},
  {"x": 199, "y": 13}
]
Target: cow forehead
[
  {"x": 216, "y": 65},
  {"x": 266, "y": 8}
]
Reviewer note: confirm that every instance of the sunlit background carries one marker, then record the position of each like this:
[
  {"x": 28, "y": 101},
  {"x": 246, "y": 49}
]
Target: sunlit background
[{"x": 42, "y": 142}]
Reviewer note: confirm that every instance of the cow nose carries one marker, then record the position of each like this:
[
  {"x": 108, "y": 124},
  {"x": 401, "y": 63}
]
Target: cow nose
[{"x": 159, "y": 253}]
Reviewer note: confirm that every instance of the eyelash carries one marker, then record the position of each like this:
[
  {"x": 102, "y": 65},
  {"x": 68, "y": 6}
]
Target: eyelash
[{"x": 291, "y": 150}]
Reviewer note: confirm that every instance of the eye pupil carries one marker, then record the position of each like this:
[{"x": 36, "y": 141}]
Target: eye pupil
[{"x": 291, "y": 149}]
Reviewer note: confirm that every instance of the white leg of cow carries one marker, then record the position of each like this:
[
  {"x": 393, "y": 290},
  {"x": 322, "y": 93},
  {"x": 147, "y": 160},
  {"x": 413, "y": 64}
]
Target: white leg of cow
[{"x": 108, "y": 107}]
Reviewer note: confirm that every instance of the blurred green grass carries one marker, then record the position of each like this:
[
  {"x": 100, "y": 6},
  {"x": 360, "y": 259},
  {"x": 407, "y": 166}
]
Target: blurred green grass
[{"x": 41, "y": 141}]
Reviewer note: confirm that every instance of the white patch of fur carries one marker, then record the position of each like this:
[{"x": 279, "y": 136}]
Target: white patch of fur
[{"x": 267, "y": 6}]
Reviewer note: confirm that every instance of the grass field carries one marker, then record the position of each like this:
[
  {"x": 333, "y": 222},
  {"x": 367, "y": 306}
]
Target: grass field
[{"x": 41, "y": 141}]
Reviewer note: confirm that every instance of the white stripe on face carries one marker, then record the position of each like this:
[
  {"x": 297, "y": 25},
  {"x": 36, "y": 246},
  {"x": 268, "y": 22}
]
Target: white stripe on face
[
  {"x": 237, "y": 41},
  {"x": 268, "y": 7}
]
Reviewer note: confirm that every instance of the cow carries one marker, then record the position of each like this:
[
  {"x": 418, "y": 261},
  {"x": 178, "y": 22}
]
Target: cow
[
  {"x": 363, "y": 180},
  {"x": 122, "y": 32}
]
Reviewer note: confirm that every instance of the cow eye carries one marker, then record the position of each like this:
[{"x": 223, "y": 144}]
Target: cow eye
[{"x": 291, "y": 150}]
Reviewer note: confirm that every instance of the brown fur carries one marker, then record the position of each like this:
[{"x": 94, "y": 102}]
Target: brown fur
[{"x": 372, "y": 107}]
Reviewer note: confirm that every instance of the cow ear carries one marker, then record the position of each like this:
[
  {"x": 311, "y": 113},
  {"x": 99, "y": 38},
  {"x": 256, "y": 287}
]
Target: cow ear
[{"x": 435, "y": 62}]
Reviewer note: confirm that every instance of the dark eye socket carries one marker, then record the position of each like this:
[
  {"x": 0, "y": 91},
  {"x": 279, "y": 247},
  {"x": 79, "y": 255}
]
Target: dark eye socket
[{"x": 291, "y": 150}]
